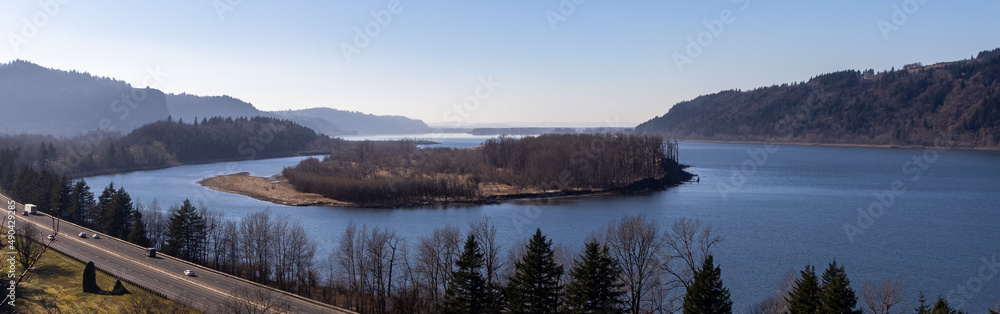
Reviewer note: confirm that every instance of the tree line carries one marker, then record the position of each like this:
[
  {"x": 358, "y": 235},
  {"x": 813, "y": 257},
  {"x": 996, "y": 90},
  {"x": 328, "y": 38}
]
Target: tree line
[
  {"x": 392, "y": 174},
  {"x": 630, "y": 266},
  {"x": 164, "y": 143}
]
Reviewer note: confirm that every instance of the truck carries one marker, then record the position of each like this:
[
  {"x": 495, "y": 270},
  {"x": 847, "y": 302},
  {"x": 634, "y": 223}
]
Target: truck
[
  {"x": 151, "y": 252},
  {"x": 29, "y": 209}
]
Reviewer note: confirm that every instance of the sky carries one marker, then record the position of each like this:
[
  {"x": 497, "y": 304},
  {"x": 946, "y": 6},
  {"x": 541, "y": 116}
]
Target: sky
[{"x": 517, "y": 62}]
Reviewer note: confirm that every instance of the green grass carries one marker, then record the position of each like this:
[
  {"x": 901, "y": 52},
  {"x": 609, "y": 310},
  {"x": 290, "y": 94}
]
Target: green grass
[{"x": 56, "y": 282}]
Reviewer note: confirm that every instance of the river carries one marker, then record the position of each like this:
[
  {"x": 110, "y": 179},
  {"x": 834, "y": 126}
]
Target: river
[{"x": 928, "y": 217}]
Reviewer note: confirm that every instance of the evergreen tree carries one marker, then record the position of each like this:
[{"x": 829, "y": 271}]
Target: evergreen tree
[
  {"x": 82, "y": 206},
  {"x": 942, "y": 307},
  {"x": 186, "y": 234},
  {"x": 923, "y": 308},
  {"x": 90, "y": 279},
  {"x": 138, "y": 234},
  {"x": 805, "y": 296},
  {"x": 61, "y": 199},
  {"x": 105, "y": 209},
  {"x": 535, "y": 288},
  {"x": 706, "y": 293},
  {"x": 123, "y": 214},
  {"x": 466, "y": 291},
  {"x": 838, "y": 296},
  {"x": 594, "y": 285}
]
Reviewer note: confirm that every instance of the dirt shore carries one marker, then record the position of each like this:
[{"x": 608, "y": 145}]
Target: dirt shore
[
  {"x": 273, "y": 189},
  {"x": 276, "y": 189}
]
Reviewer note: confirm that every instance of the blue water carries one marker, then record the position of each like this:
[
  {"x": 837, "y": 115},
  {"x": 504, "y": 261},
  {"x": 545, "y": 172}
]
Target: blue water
[{"x": 777, "y": 214}]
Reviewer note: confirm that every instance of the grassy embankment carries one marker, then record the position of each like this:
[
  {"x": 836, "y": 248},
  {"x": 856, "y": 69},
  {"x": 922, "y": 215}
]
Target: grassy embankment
[{"x": 54, "y": 286}]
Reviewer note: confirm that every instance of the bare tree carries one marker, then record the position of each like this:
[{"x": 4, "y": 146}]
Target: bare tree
[
  {"x": 26, "y": 244},
  {"x": 157, "y": 224},
  {"x": 435, "y": 259},
  {"x": 486, "y": 234},
  {"x": 254, "y": 246},
  {"x": 776, "y": 304},
  {"x": 380, "y": 257},
  {"x": 637, "y": 245},
  {"x": 687, "y": 244},
  {"x": 879, "y": 297},
  {"x": 255, "y": 300}
]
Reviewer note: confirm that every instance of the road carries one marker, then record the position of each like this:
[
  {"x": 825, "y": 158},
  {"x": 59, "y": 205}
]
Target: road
[{"x": 207, "y": 291}]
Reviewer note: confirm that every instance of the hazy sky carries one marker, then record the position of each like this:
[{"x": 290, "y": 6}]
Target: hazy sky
[{"x": 608, "y": 63}]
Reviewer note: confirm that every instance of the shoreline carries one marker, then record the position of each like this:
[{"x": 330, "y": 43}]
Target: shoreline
[
  {"x": 276, "y": 189},
  {"x": 890, "y": 146}
]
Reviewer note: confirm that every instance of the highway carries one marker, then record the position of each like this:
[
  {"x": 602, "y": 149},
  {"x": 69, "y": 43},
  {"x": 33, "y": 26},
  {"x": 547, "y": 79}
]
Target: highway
[{"x": 207, "y": 291}]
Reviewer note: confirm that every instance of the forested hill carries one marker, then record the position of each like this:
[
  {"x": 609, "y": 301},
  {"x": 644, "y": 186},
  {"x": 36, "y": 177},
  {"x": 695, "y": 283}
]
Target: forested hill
[
  {"x": 952, "y": 104},
  {"x": 38, "y": 100},
  {"x": 163, "y": 144},
  {"x": 44, "y": 101}
]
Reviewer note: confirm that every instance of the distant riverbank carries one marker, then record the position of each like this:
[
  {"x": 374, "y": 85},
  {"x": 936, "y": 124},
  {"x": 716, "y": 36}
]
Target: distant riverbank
[
  {"x": 975, "y": 148},
  {"x": 277, "y": 190}
]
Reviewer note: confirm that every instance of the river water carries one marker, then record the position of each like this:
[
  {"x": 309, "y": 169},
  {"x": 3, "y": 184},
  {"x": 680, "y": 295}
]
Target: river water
[{"x": 928, "y": 217}]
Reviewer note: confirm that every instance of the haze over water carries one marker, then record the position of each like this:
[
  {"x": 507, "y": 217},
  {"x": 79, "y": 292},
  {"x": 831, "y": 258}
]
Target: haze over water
[{"x": 789, "y": 211}]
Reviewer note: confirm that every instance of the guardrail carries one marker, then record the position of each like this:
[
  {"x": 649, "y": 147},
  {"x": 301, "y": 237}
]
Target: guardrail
[
  {"x": 195, "y": 265},
  {"x": 126, "y": 280}
]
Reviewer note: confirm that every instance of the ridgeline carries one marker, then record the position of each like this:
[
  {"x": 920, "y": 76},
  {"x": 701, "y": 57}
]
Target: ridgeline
[{"x": 951, "y": 104}]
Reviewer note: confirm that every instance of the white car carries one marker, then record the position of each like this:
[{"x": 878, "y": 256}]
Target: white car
[
  {"x": 188, "y": 272},
  {"x": 83, "y": 235},
  {"x": 97, "y": 236},
  {"x": 51, "y": 237}
]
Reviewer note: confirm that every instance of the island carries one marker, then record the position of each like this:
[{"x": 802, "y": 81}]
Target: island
[{"x": 401, "y": 174}]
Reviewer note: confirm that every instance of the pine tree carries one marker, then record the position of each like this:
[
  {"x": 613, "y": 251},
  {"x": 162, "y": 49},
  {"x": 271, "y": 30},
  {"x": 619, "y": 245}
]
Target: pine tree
[
  {"x": 186, "y": 234},
  {"x": 82, "y": 207},
  {"x": 805, "y": 296},
  {"x": 838, "y": 296},
  {"x": 706, "y": 293},
  {"x": 138, "y": 234},
  {"x": 466, "y": 291},
  {"x": 594, "y": 287},
  {"x": 535, "y": 288},
  {"x": 105, "y": 217},
  {"x": 923, "y": 308},
  {"x": 942, "y": 307},
  {"x": 123, "y": 213}
]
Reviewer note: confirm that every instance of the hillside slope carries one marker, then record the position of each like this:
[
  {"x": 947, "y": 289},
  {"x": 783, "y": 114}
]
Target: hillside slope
[
  {"x": 38, "y": 100},
  {"x": 355, "y": 122},
  {"x": 955, "y": 102}
]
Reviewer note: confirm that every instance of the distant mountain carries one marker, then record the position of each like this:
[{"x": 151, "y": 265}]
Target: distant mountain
[
  {"x": 355, "y": 122},
  {"x": 947, "y": 104},
  {"x": 38, "y": 100},
  {"x": 188, "y": 107}
]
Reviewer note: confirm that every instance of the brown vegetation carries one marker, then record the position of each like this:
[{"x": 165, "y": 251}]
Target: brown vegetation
[
  {"x": 392, "y": 174},
  {"x": 274, "y": 189}
]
